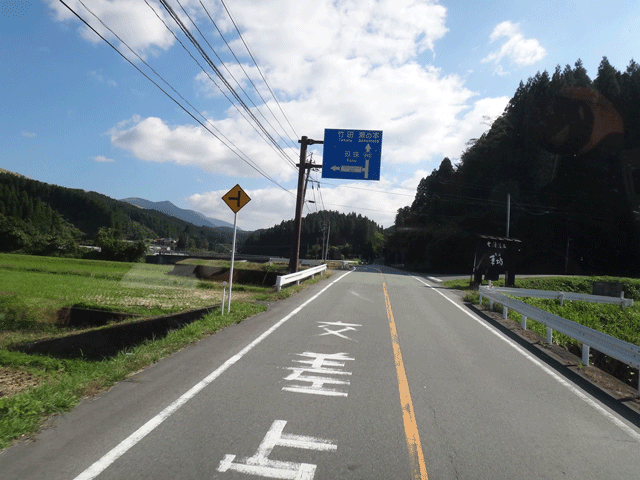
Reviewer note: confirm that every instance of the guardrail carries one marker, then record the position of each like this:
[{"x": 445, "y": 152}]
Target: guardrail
[
  {"x": 302, "y": 261},
  {"x": 562, "y": 296},
  {"x": 619, "y": 349},
  {"x": 296, "y": 277}
]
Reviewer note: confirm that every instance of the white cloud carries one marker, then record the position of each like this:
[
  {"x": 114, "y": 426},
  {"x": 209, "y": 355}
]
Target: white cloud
[
  {"x": 269, "y": 206},
  {"x": 131, "y": 20},
  {"x": 333, "y": 64},
  {"x": 516, "y": 49},
  {"x": 103, "y": 159},
  {"x": 99, "y": 77},
  {"x": 473, "y": 124},
  {"x": 297, "y": 39},
  {"x": 26, "y": 134},
  {"x": 151, "y": 139}
]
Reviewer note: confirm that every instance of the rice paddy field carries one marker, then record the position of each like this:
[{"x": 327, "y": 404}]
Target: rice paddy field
[{"x": 34, "y": 289}]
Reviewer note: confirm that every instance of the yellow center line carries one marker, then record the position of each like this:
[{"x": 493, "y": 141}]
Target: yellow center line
[{"x": 418, "y": 467}]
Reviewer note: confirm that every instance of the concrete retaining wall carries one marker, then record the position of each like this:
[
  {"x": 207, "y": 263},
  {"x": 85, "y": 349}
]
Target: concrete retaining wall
[{"x": 107, "y": 342}]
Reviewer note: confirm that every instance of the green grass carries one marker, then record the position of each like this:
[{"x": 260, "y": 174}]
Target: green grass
[
  {"x": 67, "y": 381},
  {"x": 45, "y": 285},
  {"x": 62, "y": 266},
  {"x": 34, "y": 288},
  {"x": 622, "y": 323}
]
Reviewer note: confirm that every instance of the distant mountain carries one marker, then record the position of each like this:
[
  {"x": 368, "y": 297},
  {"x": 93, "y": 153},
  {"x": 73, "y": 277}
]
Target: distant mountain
[{"x": 169, "y": 208}]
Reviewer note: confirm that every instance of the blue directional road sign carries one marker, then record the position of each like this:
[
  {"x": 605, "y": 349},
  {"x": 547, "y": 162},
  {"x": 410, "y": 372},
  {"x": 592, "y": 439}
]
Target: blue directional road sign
[{"x": 352, "y": 154}]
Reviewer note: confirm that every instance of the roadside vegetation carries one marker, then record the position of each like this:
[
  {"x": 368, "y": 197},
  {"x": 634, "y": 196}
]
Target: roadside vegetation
[
  {"x": 34, "y": 289},
  {"x": 621, "y": 323}
]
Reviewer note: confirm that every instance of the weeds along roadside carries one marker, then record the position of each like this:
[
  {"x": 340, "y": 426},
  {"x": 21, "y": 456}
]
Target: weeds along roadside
[{"x": 62, "y": 383}]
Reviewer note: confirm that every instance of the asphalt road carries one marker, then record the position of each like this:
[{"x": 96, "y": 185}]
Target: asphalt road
[{"x": 372, "y": 374}]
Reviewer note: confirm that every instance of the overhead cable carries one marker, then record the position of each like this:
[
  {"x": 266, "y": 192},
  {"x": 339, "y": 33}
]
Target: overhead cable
[
  {"x": 285, "y": 155},
  {"x": 258, "y": 67},
  {"x": 240, "y": 112},
  {"x": 264, "y": 102},
  {"x": 161, "y": 89},
  {"x": 217, "y": 71}
]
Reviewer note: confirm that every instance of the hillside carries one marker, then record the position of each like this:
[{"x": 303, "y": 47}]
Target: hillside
[
  {"x": 566, "y": 151},
  {"x": 34, "y": 214}
]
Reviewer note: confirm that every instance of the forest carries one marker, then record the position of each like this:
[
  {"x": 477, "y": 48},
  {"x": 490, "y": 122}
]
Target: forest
[
  {"x": 44, "y": 219},
  {"x": 566, "y": 150},
  {"x": 349, "y": 236}
]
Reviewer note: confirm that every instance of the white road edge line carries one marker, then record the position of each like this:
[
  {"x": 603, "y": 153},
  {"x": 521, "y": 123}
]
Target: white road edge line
[
  {"x": 615, "y": 420},
  {"x": 98, "y": 467}
]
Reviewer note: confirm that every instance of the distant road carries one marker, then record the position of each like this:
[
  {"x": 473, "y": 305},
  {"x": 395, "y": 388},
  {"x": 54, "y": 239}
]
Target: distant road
[{"x": 372, "y": 374}]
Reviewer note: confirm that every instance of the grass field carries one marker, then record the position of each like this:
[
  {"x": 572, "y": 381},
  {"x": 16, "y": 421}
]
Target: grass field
[{"x": 33, "y": 289}]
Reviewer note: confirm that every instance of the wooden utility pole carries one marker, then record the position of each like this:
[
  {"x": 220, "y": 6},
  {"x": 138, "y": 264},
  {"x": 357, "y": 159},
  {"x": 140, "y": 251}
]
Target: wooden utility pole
[
  {"x": 508, "y": 212},
  {"x": 294, "y": 258}
]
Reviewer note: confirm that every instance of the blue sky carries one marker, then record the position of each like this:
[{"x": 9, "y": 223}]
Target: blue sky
[{"x": 428, "y": 74}]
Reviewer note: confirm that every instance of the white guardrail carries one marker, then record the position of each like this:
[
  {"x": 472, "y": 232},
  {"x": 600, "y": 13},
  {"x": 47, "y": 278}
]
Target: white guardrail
[
  {"x": 273, "y": 260},
  {"x": 296, "y": 277},
  {"x": 562, "y": 296},
  {"x": 619, "y": 349}
]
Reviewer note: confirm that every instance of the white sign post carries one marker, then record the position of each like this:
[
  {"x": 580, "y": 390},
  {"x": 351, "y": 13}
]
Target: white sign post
[{"x": 235, "y": 199}]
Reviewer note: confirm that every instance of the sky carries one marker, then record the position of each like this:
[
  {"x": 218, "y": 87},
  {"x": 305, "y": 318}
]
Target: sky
[{"x": 431, "y": 75}]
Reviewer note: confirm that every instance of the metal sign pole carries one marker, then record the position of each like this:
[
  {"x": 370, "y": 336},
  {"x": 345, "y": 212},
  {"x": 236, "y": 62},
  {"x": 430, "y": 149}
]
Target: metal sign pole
[
  {"x": 233, "y": 257},
  {"x": 224, "y": 293},
  {"x": 235, "y": 199}
]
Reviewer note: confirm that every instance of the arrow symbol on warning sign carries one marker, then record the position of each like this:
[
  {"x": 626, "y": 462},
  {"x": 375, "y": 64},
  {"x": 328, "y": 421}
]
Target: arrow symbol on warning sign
[{"x": 236, "y": 198}]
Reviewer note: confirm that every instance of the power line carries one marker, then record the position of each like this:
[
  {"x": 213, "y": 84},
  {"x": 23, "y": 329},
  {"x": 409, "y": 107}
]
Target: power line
[
  {"x": 321, "y": 199},
  {"x": 362, "y": 208},
  {"x": 159, "y": 87},
  {"x": 258, "y": 67},
  {"x": 217, "y": 71},
  {"x": 291, "y": 144},
  {"x": 285, "y": 156},
  {"x": 201, "y": 67},
  {"x": 370, "y": 189}
]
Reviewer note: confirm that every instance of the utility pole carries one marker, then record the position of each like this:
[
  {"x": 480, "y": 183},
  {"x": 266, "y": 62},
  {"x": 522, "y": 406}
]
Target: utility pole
[
  {"x": 326, "y": 252},
  {"x": 324, "y": 229},
  {"x": 294, "y": 258},
  {"x": 508, "y": 212}
]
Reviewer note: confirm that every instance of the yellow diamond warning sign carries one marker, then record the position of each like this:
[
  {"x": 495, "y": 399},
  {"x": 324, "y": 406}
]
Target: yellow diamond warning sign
[{"x": 236, "y": 198}]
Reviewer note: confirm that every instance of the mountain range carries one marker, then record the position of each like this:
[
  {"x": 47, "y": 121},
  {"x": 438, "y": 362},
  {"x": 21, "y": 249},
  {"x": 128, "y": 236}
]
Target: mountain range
[{"x": 169, "y": 208}]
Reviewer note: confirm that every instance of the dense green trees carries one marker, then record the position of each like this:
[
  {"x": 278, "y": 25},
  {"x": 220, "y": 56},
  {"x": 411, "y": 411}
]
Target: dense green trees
[
  {"x": 113, "y": 247},
  {"x": 40, "y": 218},
  {"x": 566, "y": 150},
  {"x": 350, "y": 235},
  {"x": 30, "y": 225}
]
